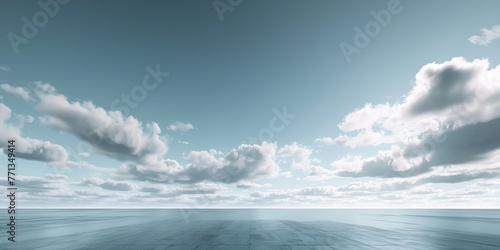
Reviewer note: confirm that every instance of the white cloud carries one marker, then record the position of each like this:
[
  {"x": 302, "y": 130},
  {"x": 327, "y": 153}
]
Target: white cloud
[
  {"x": 153, "y": 127},
  {"x": 183, "y": 142},
  {"x": 450, "y": 117},
  {"x": 27, "y": 148},
  {"x": 487, "y": 37},
  {"x": 41, "y": 88},
  {"x": 183, "y": 127},
  {"x": 203, "y": 189},
  {"x": 108, "y": 132},
  {"x": 107, "y": 184},
  {"x": 317, "y": 173},
  {"x": 324, "y": 140},
  {"x": 366, "y": 117},
  {"x": 25, "y": 119},
  {"x": 44, "y": 184},
  {"x": 17, "y": 91},
  {"x": 451, "y": 94},
  {"x": 247, "y": 162},
  {"x": 366, "y": 137},
  {"x": 286, "y": 174},
  {"x": 153, "y": 188},
  {"x": 84, "y": 154},
  {"x": 299, "y": 154},
  {"x": 245, "y": 185},
  {"x": 70, "y": 164}
]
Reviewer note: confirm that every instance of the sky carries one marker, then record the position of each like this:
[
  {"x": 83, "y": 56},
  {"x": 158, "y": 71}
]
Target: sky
[{"x": 196, "y": 104}]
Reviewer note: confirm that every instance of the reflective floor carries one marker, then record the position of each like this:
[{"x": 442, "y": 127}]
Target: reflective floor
[{"x": 256, "y": 229}]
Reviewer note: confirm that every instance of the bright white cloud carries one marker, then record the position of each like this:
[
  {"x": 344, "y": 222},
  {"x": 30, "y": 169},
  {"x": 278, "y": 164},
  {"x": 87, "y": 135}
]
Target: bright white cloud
[
  {"x": 450, "y": 117},
  {"x": 299, "y": 154},
  {"x": 246, "y": 185},
  {"x": 365, "y": 117},
  {"x": 366, "y": 137}
]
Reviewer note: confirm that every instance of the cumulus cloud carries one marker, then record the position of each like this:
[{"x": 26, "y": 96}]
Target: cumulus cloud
[
  {"x": 27, "y": 148},
  {"x": 17, "y": 91},
  {"x": 247, "y": 162},
  {"x": 38, "y": 150},
  {"x": 324, "y": 140},
  {"x": 299, "y": 154},
  {"x": 487, "y": 37},
  {"x": 451, "y": 94},
  {"x": 109, "y": 132},
  {"x": 180, "y": 126},
  {"x": 153, "y": 127},
  {"x": 107, "y": 184},
  {"x": 450, "y": 117},
  {"x": 41, "y": 88}
]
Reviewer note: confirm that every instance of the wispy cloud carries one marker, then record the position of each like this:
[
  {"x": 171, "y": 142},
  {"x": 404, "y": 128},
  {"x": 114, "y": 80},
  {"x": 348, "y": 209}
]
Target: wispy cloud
[
  {"x": 5, "y": 68},
  {"x": 180, "y": 126},
  {"x": 107, "y": 184},
  {"x": 17, "y": 91},
  {"x": 487, "y": 37}
]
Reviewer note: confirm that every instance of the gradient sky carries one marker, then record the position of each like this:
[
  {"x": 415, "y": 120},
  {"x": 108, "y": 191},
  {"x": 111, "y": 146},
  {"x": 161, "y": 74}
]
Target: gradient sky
[{"x": 409, "y": 121}]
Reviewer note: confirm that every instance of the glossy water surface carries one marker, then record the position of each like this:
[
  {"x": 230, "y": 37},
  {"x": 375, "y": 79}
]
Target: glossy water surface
[{"x": 255, "y": 229}]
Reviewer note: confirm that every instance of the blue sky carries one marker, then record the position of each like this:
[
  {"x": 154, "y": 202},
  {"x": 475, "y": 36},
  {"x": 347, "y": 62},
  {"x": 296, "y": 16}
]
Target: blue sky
[{"x": 187, "y": 141}]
